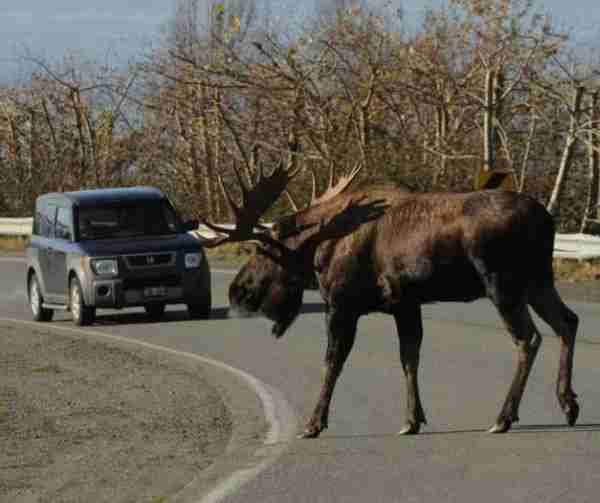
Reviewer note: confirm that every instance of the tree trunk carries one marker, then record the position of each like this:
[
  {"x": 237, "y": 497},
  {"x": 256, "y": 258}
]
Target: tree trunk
[
  {"x": 441, "y": 132},
  {"x": 498, "y": 90},
  {"x": 364, "y": 122},
  {"x": 82, "y": 141},
  {"x": 567, "y": 156},
  {"x": 17, "y": 164},
  {"x": 591, "y": 222},
  {"x": 525, "y": 162},
  {"x": 489, "y": 149},
  {"x": 209, "y": 164},
  {"x": 58, "y": 174}
]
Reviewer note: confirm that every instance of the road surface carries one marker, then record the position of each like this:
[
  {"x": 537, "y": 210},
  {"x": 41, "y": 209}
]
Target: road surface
[{"x": 466, "y": 366}]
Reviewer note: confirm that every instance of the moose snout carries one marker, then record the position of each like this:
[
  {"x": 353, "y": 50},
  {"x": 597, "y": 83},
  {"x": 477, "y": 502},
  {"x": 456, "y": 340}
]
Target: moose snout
[
  {"x": 240, "y": 312},
  {"x": 237, "y": 293},
  {"x": 242, "y": 302}
]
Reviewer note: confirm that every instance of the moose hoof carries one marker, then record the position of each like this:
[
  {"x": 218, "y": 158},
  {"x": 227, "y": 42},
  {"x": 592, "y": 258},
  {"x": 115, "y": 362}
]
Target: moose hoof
[
  {"x": 501, "y": 427},
  {"x": 572, "y": 413},
  {"x": 410, "y": 429},
  {"x": 311, "y": 431},
  {"x": 309, "y": 434}
]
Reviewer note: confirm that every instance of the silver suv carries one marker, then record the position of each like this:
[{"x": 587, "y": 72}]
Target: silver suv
[{"x": 114, "y": 248}]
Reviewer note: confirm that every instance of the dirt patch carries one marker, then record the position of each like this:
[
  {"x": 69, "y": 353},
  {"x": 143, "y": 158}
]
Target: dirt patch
[{"x": 85, "y": 421}]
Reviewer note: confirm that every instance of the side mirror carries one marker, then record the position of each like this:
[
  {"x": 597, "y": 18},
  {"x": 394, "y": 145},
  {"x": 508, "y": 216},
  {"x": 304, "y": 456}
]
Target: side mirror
[{"x": 190, "y": 225}]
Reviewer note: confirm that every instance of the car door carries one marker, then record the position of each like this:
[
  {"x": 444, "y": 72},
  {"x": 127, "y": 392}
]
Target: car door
[
  {"x": 59, "y": 247},
  {"x": 44, "y": 234}
]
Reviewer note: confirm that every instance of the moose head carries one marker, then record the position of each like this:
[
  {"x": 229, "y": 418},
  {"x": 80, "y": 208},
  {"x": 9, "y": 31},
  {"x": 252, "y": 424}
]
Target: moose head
[{"x": 273, "y": 281}]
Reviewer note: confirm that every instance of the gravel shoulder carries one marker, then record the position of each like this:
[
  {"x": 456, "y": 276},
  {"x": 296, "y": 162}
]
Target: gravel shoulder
[{"x": 83, "y": 420}]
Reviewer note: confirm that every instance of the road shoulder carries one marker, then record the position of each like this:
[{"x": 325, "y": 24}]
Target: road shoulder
[{"x": 83, "y": 418}]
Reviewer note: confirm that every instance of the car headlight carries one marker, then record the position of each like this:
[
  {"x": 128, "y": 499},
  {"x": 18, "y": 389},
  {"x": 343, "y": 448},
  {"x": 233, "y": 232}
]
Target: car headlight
[
  {"x": 105, "y": 267},
  {"x": 193, "y": 260}
]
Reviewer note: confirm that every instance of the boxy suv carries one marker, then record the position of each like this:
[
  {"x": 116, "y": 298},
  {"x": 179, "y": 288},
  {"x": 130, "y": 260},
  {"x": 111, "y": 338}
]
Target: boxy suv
[{"x": 114, "y": 248}]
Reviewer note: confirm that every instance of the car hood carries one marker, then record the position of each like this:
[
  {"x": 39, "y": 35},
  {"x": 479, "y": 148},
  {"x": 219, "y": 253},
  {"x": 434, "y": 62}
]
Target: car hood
[{"x": 130, "y": 246}]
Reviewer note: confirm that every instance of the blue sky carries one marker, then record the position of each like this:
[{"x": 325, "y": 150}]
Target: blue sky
[{"x": 49, "y": 28}]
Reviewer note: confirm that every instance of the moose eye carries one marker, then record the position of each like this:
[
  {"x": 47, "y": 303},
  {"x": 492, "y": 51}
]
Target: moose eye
[{"x": 285, "y": 227}]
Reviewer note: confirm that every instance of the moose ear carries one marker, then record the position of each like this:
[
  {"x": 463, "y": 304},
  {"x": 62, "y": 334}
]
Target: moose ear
[{"x": 351, "y": 216}]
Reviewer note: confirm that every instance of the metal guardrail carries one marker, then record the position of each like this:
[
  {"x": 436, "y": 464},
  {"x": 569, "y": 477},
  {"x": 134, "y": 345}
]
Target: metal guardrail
[
  {"x": 570, "y": 246},
  {"x": 16, "y": 226},
  {"x": 22, "y": 227},
  {"x": 577, "y": 246}
]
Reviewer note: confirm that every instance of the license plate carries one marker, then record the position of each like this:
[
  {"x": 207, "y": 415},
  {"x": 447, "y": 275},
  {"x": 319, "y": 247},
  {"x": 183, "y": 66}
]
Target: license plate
[{"x": 155, "y": 291}]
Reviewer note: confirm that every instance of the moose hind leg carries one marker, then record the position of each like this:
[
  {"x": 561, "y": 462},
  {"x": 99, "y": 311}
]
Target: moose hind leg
[
  {"x": 341, "y": 333},
  {"x": 410, "y": 334},
  {"x": 549, "y": 306},
  {"x": 527, "y": 341}
]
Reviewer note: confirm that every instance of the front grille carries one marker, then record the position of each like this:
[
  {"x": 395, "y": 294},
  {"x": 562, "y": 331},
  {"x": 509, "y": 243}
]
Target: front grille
[
  {"x": 150, "y": 260},
  {"x": 140, "y": 283}
]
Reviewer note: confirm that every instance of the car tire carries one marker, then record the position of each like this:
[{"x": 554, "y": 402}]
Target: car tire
[
  {"x": 155, "y": 311},
  {"x": 82, "y": 314},
  {"x": 36, "y": 301},
  {"x": 200, "y": 310}
]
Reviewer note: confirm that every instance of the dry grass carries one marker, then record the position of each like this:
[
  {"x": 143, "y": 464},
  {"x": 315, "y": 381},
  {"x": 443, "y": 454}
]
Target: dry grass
[
  {"x": 12, "y": 243},
  {"x": 230, "y": 252},
  {"x": 575, "y": 270}
]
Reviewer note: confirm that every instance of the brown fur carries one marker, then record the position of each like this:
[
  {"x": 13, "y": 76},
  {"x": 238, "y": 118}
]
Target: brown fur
[{"x": 384, "y": 249}]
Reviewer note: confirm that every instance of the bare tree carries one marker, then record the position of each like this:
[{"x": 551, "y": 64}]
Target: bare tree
[
  {"x": 569, "y": 149},
  {"x": 591, "y": 217}
]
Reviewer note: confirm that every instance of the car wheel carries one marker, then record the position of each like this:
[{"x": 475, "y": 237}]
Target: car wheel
[
  {"x": 200, "y": 310},
  {"x": 82, "y": 314},
  {"x": 155, "y": 311},
  {"x": 36, "y": 301}
]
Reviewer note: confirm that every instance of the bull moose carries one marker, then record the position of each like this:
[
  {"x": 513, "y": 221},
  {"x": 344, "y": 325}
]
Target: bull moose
[{"x": 390, "y": 250}]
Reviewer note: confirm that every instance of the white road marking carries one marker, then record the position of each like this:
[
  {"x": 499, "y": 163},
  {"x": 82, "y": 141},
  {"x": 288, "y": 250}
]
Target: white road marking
[
  {"x": 278, "y": 412},
  {"x": 224, "y": 271},
  {"x": 12, "y": 259}
]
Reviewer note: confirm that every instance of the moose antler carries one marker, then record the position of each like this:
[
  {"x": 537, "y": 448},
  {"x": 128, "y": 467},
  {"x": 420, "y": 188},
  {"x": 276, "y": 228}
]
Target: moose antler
[
  {"x": 333, "y": 189},
  {"x": 256, "y": 200}
]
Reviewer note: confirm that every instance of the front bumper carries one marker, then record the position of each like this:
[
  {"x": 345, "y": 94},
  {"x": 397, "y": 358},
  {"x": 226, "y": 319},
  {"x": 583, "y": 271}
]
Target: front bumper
[{"x": 173, "y": 288}]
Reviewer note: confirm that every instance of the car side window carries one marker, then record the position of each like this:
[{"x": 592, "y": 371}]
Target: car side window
[
  {"x": 170, "y": 217},
  {"x": 44, "y": 219},
  {"x": 63, "y": 229}
]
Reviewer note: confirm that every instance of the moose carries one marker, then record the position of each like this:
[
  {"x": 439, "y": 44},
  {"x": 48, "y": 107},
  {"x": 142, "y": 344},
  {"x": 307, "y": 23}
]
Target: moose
[{"x": 384, "y": 249}]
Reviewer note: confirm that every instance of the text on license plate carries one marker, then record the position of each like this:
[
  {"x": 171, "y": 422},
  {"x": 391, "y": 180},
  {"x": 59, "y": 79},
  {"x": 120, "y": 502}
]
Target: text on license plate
[{"x": 155, "y": 291}]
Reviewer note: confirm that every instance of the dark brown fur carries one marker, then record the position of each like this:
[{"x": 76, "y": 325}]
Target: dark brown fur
[{"x": 388, "y": 250}]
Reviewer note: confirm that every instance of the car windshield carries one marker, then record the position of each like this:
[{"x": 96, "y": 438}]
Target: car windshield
[{"x": 127, "y": 220}]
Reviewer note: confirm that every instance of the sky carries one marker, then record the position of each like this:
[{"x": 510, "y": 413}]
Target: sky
[{"x": 124, "y": 28}]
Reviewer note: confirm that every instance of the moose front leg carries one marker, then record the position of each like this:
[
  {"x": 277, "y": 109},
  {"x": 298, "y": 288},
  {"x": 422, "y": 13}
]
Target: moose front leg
[
  {"x": 410, "y": 334},
  {"x": 341, "y": 332}
]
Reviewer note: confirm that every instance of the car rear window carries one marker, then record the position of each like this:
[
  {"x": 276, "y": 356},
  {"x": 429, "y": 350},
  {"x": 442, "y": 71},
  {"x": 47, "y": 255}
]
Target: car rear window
[{"x": 125, "y": 220}]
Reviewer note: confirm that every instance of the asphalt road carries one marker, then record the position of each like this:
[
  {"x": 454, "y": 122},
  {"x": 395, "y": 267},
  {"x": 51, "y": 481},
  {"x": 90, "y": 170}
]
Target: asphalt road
[{"x": 467, "y": 364}]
